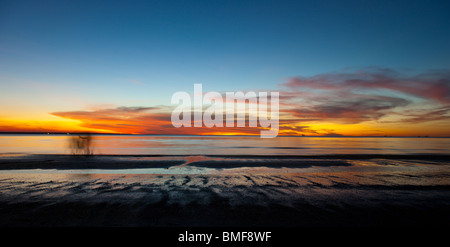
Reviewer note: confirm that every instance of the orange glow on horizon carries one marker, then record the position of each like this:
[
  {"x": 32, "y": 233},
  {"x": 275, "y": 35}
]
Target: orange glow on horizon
[
  {"x": 63, "y": 126},
  {"x": 165, "y": 128},
  {"x": 157, "y": 122}
]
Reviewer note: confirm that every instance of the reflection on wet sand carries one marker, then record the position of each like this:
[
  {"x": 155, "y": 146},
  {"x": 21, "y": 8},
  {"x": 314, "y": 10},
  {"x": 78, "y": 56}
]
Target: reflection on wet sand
[{"x": 369, "y": 192}]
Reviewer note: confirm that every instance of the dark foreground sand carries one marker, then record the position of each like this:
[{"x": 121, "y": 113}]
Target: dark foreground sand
[{"x": 58, "y": 190}]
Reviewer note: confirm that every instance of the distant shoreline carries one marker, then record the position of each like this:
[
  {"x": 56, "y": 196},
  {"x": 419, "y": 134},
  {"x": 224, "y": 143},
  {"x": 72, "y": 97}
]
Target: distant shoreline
[{"x": 122, "y": 134}]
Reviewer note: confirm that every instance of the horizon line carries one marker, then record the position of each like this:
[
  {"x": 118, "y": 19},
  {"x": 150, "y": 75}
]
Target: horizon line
[{"x": 99, "y": 133}]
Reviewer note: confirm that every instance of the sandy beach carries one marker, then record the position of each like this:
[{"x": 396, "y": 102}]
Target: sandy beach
[{"x": 185, "y": 191}]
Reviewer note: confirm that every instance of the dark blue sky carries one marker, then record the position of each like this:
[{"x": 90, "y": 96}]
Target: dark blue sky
[{"x": 128, "y": 50}]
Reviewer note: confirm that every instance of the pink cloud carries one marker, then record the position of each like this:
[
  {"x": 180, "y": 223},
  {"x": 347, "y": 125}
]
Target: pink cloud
[
  {"x": 433, "y": 85},
  {"x": 356, "y": 97}
]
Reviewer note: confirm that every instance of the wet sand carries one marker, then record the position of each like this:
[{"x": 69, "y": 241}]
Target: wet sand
[{"x": 184, "y": 191}]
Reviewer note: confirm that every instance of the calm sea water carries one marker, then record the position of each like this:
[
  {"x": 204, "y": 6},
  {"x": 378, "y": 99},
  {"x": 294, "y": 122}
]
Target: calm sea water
[{"x": 225, "y": 145}]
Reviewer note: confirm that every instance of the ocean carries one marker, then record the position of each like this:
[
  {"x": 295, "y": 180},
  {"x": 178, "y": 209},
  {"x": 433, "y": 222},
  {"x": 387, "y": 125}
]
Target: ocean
[{"x": 224, "y": 145}]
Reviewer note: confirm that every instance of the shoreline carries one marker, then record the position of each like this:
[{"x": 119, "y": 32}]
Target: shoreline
[
  {"x": 269, "y": 156},
  {"x": 235, "y": 191},
  {"x": 65, "y": 162}
]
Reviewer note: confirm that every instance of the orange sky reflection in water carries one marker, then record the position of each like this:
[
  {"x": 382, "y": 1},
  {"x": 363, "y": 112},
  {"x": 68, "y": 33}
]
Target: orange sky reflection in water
[{"x": 225, "y": 145}]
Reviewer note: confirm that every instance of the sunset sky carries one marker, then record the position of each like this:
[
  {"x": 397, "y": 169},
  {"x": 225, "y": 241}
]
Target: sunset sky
[{"x": 356, "y": 68}]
